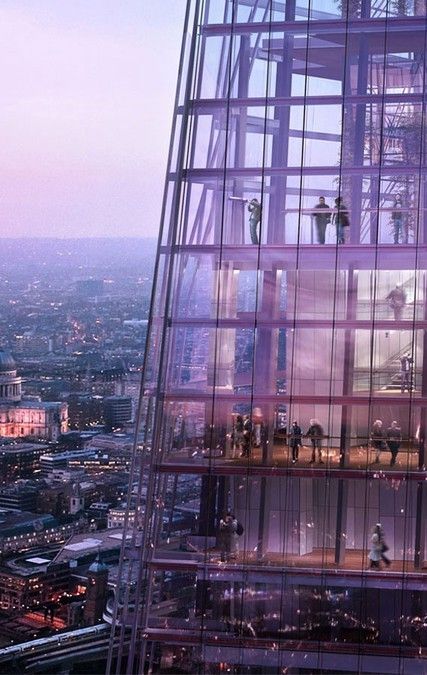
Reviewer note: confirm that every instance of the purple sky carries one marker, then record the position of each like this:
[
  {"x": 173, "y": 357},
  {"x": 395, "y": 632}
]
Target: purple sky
[{"x": 87, "y": 96}]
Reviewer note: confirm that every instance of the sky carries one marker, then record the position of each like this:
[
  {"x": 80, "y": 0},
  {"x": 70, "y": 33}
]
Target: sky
[{"x": 87, "y": 100}]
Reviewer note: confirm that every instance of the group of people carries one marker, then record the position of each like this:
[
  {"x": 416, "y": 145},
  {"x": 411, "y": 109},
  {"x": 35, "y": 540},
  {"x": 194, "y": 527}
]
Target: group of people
[
  {"x": 338, "y": 215},
  {"x": 323, "y": 214},
  {"x": 230, "y": 529},
  {"x": 386, "y": 439},
  {"x": 315, "y": 433},
  {"x": 247, "y": 433}
]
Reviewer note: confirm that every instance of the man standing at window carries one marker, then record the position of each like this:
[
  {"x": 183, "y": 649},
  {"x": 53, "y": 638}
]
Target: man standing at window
[{"x": 322, "y": 216}]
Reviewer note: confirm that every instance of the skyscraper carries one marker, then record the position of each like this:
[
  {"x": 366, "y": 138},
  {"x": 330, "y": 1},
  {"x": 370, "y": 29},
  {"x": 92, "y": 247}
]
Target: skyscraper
[{"x": 279, "y": 470}]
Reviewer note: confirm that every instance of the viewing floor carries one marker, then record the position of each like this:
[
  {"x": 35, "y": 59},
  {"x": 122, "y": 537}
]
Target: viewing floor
[{"x": 359, "y": 458}]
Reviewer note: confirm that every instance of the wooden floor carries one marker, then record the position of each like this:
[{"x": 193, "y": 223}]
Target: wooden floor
[
  {"x": 359, "y": 458},
  {"x": 355, "y": 560}
]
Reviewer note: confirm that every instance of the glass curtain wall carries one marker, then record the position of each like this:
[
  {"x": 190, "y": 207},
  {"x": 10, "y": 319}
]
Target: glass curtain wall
[{"x": 283, "y": 407}]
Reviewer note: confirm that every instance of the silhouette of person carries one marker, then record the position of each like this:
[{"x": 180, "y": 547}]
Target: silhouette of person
[
  {"x": 254, "y": 208},
  {"x": 340, "y": 219},
  {"x": 394, "y": 439},
  {"x": 315, "y": 434},
  {"x": 397, "y": 219},
  {"x": 397, "y": 301},
  {"x": 322, "y": 216},
  {"x": 377, "y": 438},
  {"x": 295, "y": 440},
  {"x": 406, "y": 362}
]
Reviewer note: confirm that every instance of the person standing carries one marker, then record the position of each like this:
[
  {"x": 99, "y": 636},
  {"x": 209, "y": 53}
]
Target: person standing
[
  {"x": 397, "y": 219},
  {"x": 234, "y": 536},
  {"x": 394, "y": 439},
  {"x": 406, "y": 362},
  {"x": 377, "y": 439},
  {"x": 225, "y": 536},
  {"x": 375, "y": 552},
  {"x": 254, "y": 208},
  {"x": 382, "y": 544},
  {"x": 257, "y": 420},
  {"x": 397, "y": 301},
  {"x": 247, "y": 436},
  {"x": 340, "y": 219},
  {"x": 238, "y": 435},
  {"x": 315, "y": 434},
  {"x": 322, "y": 216},
  {"x": 295, "y": 440}
]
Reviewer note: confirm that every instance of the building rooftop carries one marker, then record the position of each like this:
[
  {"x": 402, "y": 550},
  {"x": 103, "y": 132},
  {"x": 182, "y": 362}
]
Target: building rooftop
[
  {"x": 18, "y": 448},
  {"x": 84, "y": 545}
]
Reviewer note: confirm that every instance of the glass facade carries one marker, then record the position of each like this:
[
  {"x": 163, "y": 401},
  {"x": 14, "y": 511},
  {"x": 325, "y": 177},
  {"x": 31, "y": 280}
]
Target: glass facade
[{"x": 283, "y": 407}]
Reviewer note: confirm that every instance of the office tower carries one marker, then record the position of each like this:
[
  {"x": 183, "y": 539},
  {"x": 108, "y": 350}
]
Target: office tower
[
  {"x": 286, "y": 309},
  {"x": 117, "y": 411}
]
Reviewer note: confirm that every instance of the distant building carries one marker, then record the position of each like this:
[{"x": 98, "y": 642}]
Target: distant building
[
  {"x": 20, "y": 497},
  {"x": 31, "y": 581},
  {"x": 84, "y": 410},
  {"x": 20, "y": 460},
  {"x": 19, "y": 418},
  {"x": 117, "y": 517},
  {"x": 117, "y": 411},
  {"x": 90, "y": 288},
  {"x": 60, "y": 460}
]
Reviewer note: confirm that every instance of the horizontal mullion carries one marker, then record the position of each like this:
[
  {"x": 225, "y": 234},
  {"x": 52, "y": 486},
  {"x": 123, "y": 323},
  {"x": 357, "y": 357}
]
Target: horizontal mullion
[
  {"x": 223, "y": 173},
  {"x": 208, "y": 104},
  {"x": 330, "y": 26},
  {"x": 257, "y": 321},
  {"x": 219, "y": 467},
  {"x": 401, "y": 400}
]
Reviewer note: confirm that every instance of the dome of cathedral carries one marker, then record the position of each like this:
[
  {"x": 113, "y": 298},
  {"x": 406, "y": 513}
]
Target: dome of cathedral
[{"x": 7, "y": 361}]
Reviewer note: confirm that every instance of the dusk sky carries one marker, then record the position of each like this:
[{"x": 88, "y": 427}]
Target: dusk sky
[{"x": 87, "y": 89}]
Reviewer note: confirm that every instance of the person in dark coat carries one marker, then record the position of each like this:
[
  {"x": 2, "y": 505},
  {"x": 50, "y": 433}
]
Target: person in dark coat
[
  {"x": 340, "y": 219},
  {"x": 225, "y": 536},
  {"x": 295, "y": 440},
  {"x": 397, "y": 219},
  {"x": 394, "y": 439},
  {"x": 322, "y": 216},
  {"x": 315, "y": 434},
  {"x": 247, "y": 436}
]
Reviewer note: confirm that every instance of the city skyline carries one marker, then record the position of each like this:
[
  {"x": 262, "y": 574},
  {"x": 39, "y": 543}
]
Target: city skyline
[{"x": 77, "y": 159}]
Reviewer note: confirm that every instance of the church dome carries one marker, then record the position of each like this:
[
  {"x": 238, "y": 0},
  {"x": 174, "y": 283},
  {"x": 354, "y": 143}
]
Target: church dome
[{"x": 7, "y": 361}]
